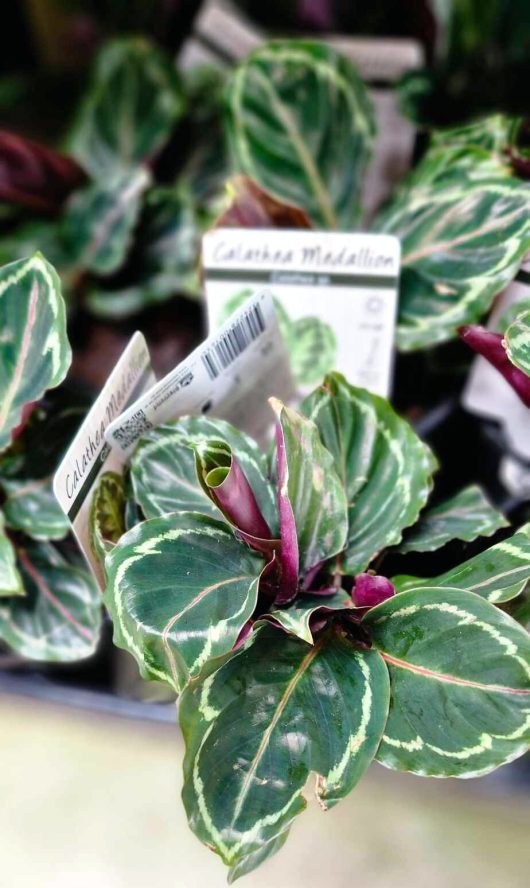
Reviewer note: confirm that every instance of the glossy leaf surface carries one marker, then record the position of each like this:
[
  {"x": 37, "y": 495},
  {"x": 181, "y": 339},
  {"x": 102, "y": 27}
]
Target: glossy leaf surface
[
  {"x": 180, "y": 588},
  {"x": 517, "y": 339},
  {"x": 253, "y": 733},
  {"x": 31, "y": 507},
  {"x": 460, "y": 683}
]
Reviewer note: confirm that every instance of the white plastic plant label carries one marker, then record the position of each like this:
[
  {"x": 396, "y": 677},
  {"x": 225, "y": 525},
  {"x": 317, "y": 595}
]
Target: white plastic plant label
[
  {"x": 230, "y": 376},
  {"x": 335, "y": 295},
  {"x": 487, "y": 393},
  {"x": 89, "y": 454}
]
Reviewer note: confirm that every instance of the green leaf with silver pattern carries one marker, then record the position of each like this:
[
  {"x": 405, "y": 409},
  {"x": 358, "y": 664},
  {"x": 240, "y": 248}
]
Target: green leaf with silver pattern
[
  {"x": 10, "y": 580},
  {"x": 253, "y": 733},
  {"x": 517, "y": 339},
  {"x": 31, "y": 506},
  {"x": 498, "y": 574},
  {"x": 459, "y": 683},
  {"x": 296, "y": 619},
  {"x": 98, "y": 221},
  {"x": 59, "y": 618},
  {"x": 164, "y": 476},
  {"x": 180, "y": 588},
  {"x": 132, "y": 104},
  {"x": 385, "y": 470},
  {"x": 465, "y": 516},
  {"x": 300, "y": 124},
  {"x": 34, "y": 349}
]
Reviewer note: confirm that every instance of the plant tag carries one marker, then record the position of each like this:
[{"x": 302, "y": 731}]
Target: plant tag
[
  {"x": 89, "y": 454},
  {"x": 487, "y": 393},
  {"x": 229, "y": 376},
  {"x": 335, "y": 296}
]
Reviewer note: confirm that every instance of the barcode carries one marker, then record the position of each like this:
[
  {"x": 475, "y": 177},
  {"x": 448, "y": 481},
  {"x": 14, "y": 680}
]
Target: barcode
[
  {"x": 232, "y": 343},
  {"x": 132, "y": 429}
]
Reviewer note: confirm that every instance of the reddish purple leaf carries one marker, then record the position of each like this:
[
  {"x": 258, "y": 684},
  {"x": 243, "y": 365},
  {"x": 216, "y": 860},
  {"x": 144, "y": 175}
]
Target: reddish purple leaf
[
  {"x": 289, "y": 557},
  {"x": 251, "y": 207},
  {"x": 370, "y": 590},
  {"x": 36, "y": 176},
  {"x": 237, "y": 501},
  {"x": 491, "y": 347}
]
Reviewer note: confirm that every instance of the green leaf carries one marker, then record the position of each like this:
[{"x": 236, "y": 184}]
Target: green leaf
[
  {"x": 98, "y": 221},
  {"x": 300, "y": 124},
  {"x": 296, "y": 618},
  {"x": 59, "y": 618},
  {"x": 10, "y": 580},
  {"x": 180, "y": 588},
  {"x": 462, "y": 242},
  {"x": 107, "y": 514},
  {"x": 498, "y": 574},
  {"x": 459, "y": 683},
  {"x": 255, "y": 730},
  {"x": 465, "y": 516},
  {"x": 511, "y": 313},
  {"x": 133, "y": 102},
  {"x": 34, "y": 349},
  {"x": 490, "y": 133},
  {"x": 385, "y": 470},
  {"x": 163, "y": 471},
  {"x": 166, "y": 256},
  {"x": 517, "y": 339},
  {"x": 313, "y": 489},
  {"x": 31, "y": 507}
]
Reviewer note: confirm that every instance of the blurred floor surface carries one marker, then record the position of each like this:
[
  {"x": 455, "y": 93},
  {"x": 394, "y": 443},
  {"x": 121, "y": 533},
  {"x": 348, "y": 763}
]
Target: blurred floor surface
[{"x": 92, "y": 801}]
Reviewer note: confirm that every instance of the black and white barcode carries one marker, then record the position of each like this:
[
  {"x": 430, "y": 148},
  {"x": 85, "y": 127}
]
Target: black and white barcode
[{"x": 232, "y": 343}]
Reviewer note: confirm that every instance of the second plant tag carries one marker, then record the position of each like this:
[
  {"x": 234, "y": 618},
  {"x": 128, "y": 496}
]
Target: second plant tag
[{"x": 335, "y": 296}]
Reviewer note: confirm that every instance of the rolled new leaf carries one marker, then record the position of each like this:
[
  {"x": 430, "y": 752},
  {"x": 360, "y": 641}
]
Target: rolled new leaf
[
  {"x": 224, "y": 481},
  {"x": 36, "y": 354},
  {"x": 459, "y": 683},
  {"x": 491, "y": 347},
  {"x": 370, "y": 590},
  {"x": 300, "y": 123},
  {"x": 35, "y": 176},
  {"x": 180, "y": 589},
  {"x": 384, "y": 468},
  {"x": 254, "y": 731}
]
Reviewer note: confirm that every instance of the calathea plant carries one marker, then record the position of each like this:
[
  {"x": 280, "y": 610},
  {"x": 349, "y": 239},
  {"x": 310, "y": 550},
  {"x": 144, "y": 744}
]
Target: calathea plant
[
  {"x": 50, "y": 608},
  {"x": 257, "y": 589},
  {"x": 508, "y": 351}
]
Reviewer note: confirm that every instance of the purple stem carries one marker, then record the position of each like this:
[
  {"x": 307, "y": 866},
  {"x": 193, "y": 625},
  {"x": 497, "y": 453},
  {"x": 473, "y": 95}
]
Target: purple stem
[{"x": 491, "y": 347}]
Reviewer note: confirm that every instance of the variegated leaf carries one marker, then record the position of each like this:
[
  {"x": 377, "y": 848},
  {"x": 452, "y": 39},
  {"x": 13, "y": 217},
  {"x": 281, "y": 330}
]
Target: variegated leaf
[
  {"x": 34, "y": 349},
  {"x": 59, "y": 618},
  {"x": 301, "y": 125},
  {"x": 107, "y": 514},
  {"x": 462, "y": 241},
  {"x": 30, "y": 506},
  {"x": 385, "y": 470},
  {"x": 498, "y": 574},
  {"x": 163, "y": 471},
  {"x": 254, "y": 733},
  {"x": 98, "y": 222},
  {"x": 459, "y": 683},
  {"x": 180, "y": 588},
  {"x": 312, "y": 487},
  {"x": 10, "y": 580},
  {"x": 465, "y": 516},
  {"x": 517, "y": 339},
  {"x": 296, "y": 619},
  {"x": 132, "y": 104}
]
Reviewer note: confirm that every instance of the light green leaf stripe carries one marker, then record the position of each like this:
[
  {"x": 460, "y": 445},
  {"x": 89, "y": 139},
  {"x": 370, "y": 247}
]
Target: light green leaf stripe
[
  {"x": 34, "y": 349},
  {"x": 460, "y": 683},
  {"x": 517, "y": 339},
  {"x": 253, "y": 732},
  {"x": 31, "y": 507},
  {"x": 298, "y": 114},
  {"x": 180, "y": 588},
  {"x": 464, "y": 516},
  {"x": 384, "y": 468},
  {"x": 296, "y": 618},
  {"x": 164, "y": 476},
  {"x": 59, "y": 618},
  {"x": 10, "y": 581},
  {"x": 498, "y": 574}
]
